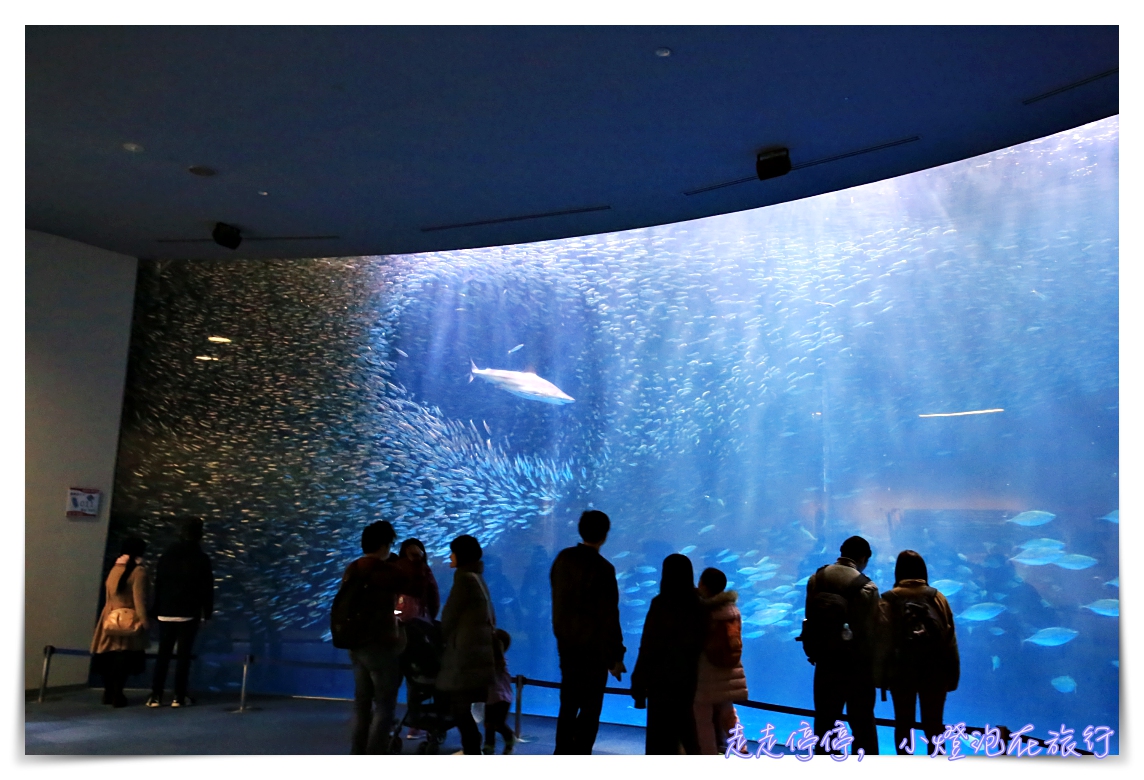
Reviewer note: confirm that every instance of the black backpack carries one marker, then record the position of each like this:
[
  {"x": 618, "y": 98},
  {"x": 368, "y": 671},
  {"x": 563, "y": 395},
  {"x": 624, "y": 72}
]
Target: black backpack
[
  {"x": 358, "y": 617},
  {"x": 827, "y": 631},
  {"x": 919, "y": 636}
]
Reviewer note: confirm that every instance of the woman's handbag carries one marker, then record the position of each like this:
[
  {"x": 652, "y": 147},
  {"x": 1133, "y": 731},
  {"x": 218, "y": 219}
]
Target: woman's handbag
[{"x": 123, "y": 621}]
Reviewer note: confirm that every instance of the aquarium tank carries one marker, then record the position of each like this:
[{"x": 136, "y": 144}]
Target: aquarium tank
[{"x": 929, "y": 361}]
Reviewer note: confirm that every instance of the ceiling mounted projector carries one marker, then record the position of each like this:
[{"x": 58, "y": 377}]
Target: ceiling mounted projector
[
  {"x": 772, "y": 163},
  {"x": 228, "y": 235}
]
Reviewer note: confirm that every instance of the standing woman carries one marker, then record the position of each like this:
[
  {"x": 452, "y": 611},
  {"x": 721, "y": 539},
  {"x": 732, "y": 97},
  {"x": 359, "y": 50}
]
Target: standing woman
[
  {"x": 421, "y": 599},
  {"x": 417, "y": 608},
  {"x": 664, "y": 679},
  {"x": 468, "y": 666},
  {"x": 120, "y": 638},
  {"x": 921, "y": 663}
]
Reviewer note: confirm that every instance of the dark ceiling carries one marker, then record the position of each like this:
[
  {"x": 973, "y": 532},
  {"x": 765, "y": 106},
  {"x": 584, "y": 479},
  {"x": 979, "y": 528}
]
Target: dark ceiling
[{"x": 408, "y": 139}]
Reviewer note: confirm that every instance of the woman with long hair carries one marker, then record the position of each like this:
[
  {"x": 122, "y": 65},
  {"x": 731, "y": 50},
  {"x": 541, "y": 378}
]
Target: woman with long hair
[
  {"x": 417, "y": 605},
  {"x": 664, "y": 678},
  {"x": 921, "y": 663},
  {"x": 421, "y": 598},
  {"x": 120, "y": 639}
]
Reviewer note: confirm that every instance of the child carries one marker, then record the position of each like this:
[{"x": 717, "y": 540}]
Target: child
[
  {"x": 500, "y": 694},
  {"x": 721, "y": 677}
]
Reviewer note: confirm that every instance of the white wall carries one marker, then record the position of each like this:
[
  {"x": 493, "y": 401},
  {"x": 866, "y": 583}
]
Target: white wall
[{"x": 77, "y": 326}]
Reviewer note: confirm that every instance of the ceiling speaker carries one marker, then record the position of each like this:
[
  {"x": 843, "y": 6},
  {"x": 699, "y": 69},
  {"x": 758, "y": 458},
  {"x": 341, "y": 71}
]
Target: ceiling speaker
[
  {"x": 772, "y": 163},
  {"x": 230, "y": 236}
]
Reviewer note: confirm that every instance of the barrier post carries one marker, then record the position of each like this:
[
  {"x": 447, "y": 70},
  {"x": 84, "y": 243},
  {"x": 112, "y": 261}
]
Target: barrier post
[
  {"x": 48, "y": 651},
  {"x": 519, "y": 697},
  {"x": 246, "y": 661}
]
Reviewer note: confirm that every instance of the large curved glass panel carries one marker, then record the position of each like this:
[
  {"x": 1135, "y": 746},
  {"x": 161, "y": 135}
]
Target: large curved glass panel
[{"x": 924, "y": 361}]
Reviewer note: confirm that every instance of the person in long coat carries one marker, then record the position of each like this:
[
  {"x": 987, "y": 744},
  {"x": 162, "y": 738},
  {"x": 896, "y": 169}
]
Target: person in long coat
[
  {"x": 469, "y": 663},
  {"x": 665, "y": 674},
  {"x": 910, "y": 687},
  {"x": 116, "y": 655},
  {"x": 721, "y": 679}
]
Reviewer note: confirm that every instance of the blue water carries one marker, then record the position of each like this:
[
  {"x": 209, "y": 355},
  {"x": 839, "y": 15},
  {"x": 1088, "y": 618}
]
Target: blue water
[{"x": 752, "y": 388}]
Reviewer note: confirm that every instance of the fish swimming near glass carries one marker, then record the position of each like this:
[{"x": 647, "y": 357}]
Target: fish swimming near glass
[
  {"x": 768, "y": 616},
  {"x": 523, "y": 384},
  {"x": 1074, "y": 562},
  {"x": 1113, "y": 516},
  {"x": 1031, "y": 518},
  {"x": 1106, "y": 607},
  {"x": 1042, "y": 544},
  {"x": 1052, "y": 637},
  {"x": 947, "y": 587},
  {"x": 1064, "y": 684},
  {"x": 1038, "y": 556},
  {"x": 984, "y": 611}
]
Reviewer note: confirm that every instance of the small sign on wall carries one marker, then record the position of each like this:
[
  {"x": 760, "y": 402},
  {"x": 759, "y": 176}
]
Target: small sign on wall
[{"x": 83, "y": 503}]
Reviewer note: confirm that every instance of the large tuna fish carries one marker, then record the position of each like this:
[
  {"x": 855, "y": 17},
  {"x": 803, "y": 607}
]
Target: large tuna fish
[{"x": 522, "y": 383}]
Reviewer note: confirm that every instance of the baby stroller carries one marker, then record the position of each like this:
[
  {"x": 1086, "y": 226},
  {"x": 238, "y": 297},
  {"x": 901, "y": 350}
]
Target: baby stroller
[{"x": 424, "y": 709}]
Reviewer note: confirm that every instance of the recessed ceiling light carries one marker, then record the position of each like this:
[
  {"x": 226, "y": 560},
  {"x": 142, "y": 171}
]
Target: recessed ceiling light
[
  {"x": 263, "y": 192},
  {"x": 205, "y": 357},
  {"x": 218, "y": 339},
  {"x": 202, "y": 170},
  {"x": 663, "y": 51},
  {"x": 133, "y": 147}
]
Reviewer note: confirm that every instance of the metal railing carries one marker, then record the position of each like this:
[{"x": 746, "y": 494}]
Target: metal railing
[
  {"x": 520, "y": 681},
  {"x": 51, "y": 650},
  {"x": 1005, "y": 734},
  {"x": 754, "y": 705}
]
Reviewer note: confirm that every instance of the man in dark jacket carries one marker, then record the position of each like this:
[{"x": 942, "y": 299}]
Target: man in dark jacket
[
  {"x": 848, "y": 681},
  {"x": 184, "y": 595},
  {"x": 376, "y": 657},
  {"x": 586, "y": 622}
]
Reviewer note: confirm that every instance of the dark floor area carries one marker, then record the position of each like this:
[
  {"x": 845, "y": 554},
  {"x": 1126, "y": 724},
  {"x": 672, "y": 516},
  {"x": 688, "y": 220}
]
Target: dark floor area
[{"x": 73, "y": 722}]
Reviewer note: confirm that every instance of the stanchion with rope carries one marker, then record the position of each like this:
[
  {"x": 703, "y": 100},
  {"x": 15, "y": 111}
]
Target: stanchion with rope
[
  {"x": 49, "y": 650},
  {"x": 518, "y": 682},
  {"x": 247, "y": 660}
]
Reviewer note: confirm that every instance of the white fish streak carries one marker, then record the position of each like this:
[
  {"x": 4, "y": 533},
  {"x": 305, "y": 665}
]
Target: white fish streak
[{"x": 523, "y": 384}]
